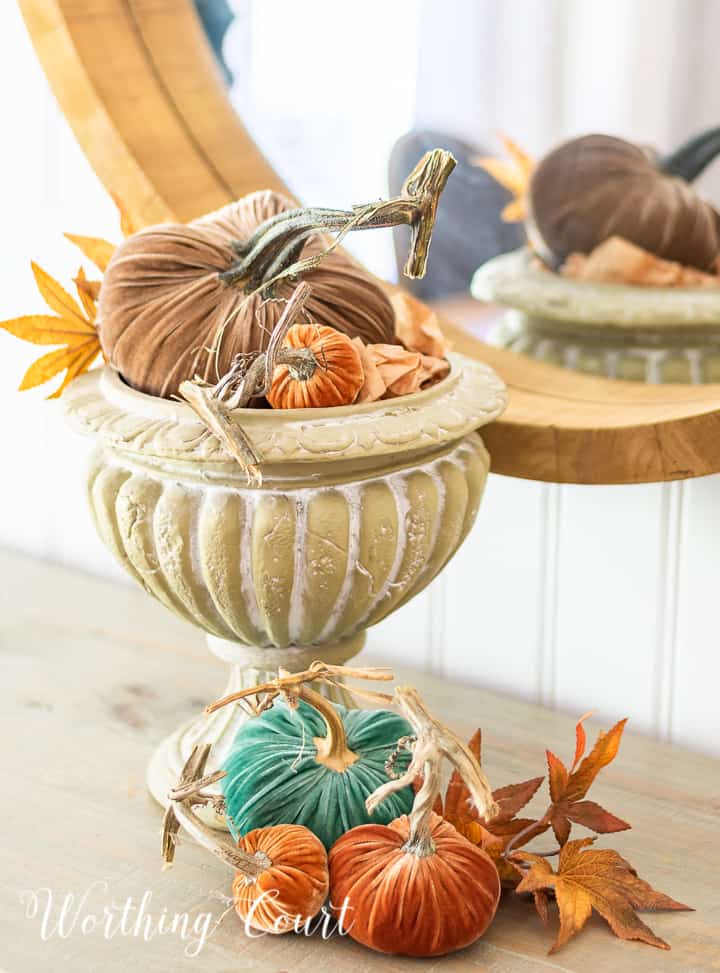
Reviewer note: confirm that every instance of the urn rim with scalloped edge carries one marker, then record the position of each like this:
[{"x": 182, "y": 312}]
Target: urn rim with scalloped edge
[
  {"x": 101, "y": 404},
  {"x": 512, "y": 281}
]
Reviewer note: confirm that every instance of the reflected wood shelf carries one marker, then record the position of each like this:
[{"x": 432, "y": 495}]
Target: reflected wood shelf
[{"x": 141, "y": 89}]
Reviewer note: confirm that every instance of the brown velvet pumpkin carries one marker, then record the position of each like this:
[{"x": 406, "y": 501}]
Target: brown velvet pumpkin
[
  {"x": 166, "y": 314},
  {"x": 597, "y": 186}
]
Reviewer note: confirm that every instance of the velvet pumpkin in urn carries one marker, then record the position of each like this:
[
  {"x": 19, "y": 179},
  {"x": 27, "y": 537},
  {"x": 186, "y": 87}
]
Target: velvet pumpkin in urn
[
  {"x": 170, "y": 307},
  {"x": 186, "y": 301},
  {"x": 417, "y": 887},
  {"x": 597, "y": 186},
  {"x": 281, "y": 878},
  {"x": 309, "y": 761}
]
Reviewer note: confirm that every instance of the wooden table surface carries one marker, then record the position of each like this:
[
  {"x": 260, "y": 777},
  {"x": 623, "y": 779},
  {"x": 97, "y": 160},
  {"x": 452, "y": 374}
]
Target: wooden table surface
[{"x": 95, "y": 674}]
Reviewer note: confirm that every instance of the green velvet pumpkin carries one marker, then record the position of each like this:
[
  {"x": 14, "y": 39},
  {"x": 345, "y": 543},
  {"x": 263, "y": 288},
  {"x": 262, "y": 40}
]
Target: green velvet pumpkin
[{"x": 274, "y": 773}]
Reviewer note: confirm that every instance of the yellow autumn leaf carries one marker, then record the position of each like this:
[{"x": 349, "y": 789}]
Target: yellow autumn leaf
[
  {"x": 88, "y": 291},
  {"x": 56, "y": 297},
  {"x": 128, "y": 225},
  {"x": 96, "y": 250},
  {"x": 81, "y": 364},
  {"x": 49, "y": 365},
  {"x": 514, "y": 174},
  {"x": 44, "y": 329},
  {"x": 72, "y": 329},
  {"x": 91, "y": 288}
]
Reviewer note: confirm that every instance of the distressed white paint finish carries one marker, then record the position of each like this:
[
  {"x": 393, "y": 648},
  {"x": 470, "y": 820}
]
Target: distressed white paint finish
[{"x": 576, "y": 596}]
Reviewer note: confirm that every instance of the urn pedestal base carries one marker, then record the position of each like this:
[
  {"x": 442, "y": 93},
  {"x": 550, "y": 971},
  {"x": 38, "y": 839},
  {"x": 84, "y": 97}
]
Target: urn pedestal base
[{"x": 250, "y": 666}]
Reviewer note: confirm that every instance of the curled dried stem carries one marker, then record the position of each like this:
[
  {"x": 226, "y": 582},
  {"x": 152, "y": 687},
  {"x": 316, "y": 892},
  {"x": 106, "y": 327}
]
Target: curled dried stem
[
  {"x": 182, "y": 798},
  {"x": 246, "y": 379},
  {"x": 273, "y": 251},
  {"x": 432, "y": 743},
  {"x": 332, "y": 749}
]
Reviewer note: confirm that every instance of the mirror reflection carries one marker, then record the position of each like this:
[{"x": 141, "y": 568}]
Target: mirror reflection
[{"x": 579, "y": 226}]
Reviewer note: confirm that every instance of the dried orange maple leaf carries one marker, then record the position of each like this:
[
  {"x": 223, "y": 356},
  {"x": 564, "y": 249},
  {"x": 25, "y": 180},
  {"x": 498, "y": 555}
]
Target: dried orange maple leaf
[
  {"x": 72, "y": 327},
  {"x": 569, "y": 787},
  {"x": 600, "y": 880},
  {"x": 493, "y": 835}
]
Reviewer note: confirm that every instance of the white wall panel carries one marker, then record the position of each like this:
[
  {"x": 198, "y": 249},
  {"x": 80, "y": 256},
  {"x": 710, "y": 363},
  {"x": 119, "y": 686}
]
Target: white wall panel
[
  {"x": 610, "y": 577},
  {"x": 494, "y": 614},
  {"x": 694, "y": 685}
]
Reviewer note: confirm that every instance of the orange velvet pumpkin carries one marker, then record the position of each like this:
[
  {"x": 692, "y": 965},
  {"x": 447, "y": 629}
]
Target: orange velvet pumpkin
[
  {"x": 329, "y": 373},
  {"x": 293, "y": 887},
  {"x": 417, "y": 887},
  {"x": 414, "y": 904}
]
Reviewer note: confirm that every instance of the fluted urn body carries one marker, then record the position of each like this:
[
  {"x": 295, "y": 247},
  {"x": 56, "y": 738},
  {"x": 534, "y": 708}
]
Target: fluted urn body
[{"x": 359, "y": 508}]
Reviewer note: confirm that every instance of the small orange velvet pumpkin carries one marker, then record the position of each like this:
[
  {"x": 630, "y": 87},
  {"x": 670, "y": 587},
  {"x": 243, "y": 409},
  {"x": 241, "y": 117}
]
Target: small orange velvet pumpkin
[
  {"x": 293, "y": 887},
  {"x": 414, "y": 904},
  {"x": 326, "y": 371}
]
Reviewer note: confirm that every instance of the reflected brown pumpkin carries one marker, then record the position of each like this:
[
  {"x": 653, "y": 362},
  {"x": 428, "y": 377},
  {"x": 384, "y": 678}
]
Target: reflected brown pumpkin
[
  {"x": 165, "y": 314},
  {"x": 597, "y": 186},
  {"x": 411, "y": 904}
]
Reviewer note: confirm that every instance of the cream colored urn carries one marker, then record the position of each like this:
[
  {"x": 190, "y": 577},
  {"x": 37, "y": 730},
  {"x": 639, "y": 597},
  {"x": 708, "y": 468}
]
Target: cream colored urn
[{"x": 359, "y": 508}]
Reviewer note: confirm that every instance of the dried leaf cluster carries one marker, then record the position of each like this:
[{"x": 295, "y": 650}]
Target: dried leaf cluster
[
  {"x": 585, "y": 878},
  {"x": 618, "y": 261},
  {"x": 419, "y": 361}
]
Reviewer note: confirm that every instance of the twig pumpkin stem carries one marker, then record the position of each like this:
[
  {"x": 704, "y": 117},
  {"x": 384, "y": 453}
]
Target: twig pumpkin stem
[
  {"x": 434, "y": 742},
  {"x": 213, "y": 404},
  {"x": 272, "y": 253},
  {"x": 332, "y": 749},
  {"x": 180, "y": 813}
]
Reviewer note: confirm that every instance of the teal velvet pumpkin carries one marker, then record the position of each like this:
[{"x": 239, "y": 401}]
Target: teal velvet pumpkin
[{"x": 274, "y": 775}]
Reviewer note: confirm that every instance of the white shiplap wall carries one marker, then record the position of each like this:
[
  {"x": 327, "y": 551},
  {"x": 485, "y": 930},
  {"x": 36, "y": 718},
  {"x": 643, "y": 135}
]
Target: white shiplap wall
[{"x": 599, "y": 598}]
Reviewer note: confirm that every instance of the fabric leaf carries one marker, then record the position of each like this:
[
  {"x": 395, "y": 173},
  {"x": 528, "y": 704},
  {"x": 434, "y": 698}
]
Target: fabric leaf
[
  {"x": 596, "y": 879},
  {"x": 96, "y": 250},
  {"x": 73, "y": 329},
  {"x": 55, "y": 296},
  {"x": 44, "y": 329},
  {"x": 568, "y": 788}
]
